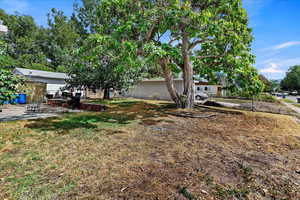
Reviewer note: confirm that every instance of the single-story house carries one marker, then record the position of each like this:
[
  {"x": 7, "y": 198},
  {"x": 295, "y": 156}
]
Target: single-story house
[
  {"x": 209, "y": 89},
  {"x": 55, "y": 81},
  {"x": 157, "y": 89}
]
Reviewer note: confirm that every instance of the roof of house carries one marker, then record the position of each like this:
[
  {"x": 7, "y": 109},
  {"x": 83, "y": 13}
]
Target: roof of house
[
  {"x": 158, "y": 80},
  {"x": 40, "y": 73}
]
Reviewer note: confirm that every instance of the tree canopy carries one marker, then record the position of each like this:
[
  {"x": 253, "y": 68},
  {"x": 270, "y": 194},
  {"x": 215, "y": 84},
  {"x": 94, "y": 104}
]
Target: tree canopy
[
  {"x": 35, "y": 47},
  {"x": 122, "y": 40},
  {"x": 188, "y": 36},
  {"x": 95, "y": 66},
  {"x": 291, "y": 82}
]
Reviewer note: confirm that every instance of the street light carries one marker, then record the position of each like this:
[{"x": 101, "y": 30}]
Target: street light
[{"x": 3, "y": 29}]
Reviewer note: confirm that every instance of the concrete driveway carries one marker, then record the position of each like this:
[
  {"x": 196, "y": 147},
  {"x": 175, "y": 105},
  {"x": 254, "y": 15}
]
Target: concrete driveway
[{"x": 18, "y": 112}]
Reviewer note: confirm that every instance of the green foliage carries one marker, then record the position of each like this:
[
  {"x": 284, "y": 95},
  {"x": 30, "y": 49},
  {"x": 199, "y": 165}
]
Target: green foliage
[
  {"x": 292, "y": 80},
  {"x": 23, "y": 40},
  {"x": 62, "y": 38},
  {"x": 8, "y": 81},
  {"x": 100, "y": 63},
  {"x": 216, "y": 34},
  {"x": 268, "y": 84},
  {"x": 8, "y": 86},
  {"x": 34, "y": 47},
  {"x": 246, "y": 83},
  {"x": 275, "y": 85},
  {"x": 266, "y": 98}
]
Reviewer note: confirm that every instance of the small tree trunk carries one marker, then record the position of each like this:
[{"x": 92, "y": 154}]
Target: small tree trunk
[
  {"x": 189, "y": 97},
  {"x": 252, "y": 103},
  {"x": 106, "y": 94},
  {"x": 170, "y": 83}
]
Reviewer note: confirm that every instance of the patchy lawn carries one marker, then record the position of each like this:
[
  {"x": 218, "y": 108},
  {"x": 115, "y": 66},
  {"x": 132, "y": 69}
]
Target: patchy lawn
[
  {"x": 139, "y": 150},
  {"x": 287, "y": 100},
  {"x": 296, "y": 104},
  {"x": 275, "y": 107}
]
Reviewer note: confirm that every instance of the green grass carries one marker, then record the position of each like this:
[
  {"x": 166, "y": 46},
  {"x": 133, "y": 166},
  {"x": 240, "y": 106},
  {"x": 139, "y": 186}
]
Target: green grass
[
  {"x": 115, "y": 102},
  {"x": 87, "y": 121},
  {"x": 28, "y": 160},
  {"x": 262, "y": 98},
  {"x": 287, "y": 101},
  {"x": 235, "y": 101},
  {"x": 296, "y": 104},
  {"x": 89, "y": 155}
]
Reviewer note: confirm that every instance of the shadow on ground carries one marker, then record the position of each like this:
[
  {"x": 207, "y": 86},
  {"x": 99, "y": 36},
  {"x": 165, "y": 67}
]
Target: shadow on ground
[
  {"x": 71, "y": 121},
  {"x": 123, "y": 112}
]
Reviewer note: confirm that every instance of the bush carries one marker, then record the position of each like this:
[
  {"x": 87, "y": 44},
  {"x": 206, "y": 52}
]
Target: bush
[{"x": 266, "y": 98}]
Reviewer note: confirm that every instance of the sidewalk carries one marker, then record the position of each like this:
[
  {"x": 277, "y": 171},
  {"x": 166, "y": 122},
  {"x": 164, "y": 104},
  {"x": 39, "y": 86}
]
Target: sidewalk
[{"x": 291, "y": 106}]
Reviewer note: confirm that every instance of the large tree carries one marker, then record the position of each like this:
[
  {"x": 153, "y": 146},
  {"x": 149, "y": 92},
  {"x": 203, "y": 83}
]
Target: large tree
[
  {"x": 36, "y": 47},
  {"x": 63, "y": 37},
  {"x": 23, "y": 41},
  {"x": 291, "y": 82},
  {"x": 95, "y": 66},
  {"x": 190, "y": 36}
]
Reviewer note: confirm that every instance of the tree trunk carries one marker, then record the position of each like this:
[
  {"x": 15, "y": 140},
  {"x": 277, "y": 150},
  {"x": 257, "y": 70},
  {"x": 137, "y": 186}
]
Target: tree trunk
[
  {"x": 106, "y": 94},
  {"x": 188, "y": 82},
  {"x": 170, "y": 83}
]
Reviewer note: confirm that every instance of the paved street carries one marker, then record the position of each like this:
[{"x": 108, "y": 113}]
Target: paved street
[{"x": 293, "y": 98}]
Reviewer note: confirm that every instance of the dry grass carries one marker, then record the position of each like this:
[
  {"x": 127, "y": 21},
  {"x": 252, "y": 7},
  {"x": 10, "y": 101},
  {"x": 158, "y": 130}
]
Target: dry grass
[{"x": 136, "y": 151}]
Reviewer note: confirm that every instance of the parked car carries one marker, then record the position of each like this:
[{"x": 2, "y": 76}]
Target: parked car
[
  {"x": 294, "y": 93},
  {"x": 201, "y": 96}
]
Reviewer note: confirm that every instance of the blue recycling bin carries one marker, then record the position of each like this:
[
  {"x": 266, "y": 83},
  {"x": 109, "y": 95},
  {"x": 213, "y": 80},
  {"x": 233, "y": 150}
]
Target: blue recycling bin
[
  {"x": 22, "y": 98},
  {"x": 16, "y": 100}
]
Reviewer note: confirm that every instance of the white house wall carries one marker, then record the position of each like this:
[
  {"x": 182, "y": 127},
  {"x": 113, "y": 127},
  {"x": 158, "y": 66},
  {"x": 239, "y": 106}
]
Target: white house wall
[
  {"x": 208, "y": 89},
  {"x": 153, "y": 90},
  {"x": 53, "y": 85}
]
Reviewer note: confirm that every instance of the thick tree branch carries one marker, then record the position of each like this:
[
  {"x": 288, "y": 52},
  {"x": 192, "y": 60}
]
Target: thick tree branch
[
  {"x": 194, "y": 44},
  {"x": 212, "y": 56}
]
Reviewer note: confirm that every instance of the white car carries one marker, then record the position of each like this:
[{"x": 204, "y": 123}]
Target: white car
[{"x": 201, "y": 96}]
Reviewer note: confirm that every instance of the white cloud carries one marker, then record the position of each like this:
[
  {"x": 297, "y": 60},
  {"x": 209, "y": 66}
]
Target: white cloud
[
  {"x": 12, "y": 6},
  {"x": 272, "y": 69},
  {"x": 281, "y": 46},
  {"x": 276, "y": 68}
]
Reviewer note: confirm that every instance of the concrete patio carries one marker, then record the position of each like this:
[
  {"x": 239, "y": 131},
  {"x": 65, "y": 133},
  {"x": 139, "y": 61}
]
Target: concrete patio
[{"x": 18, "y": 112}]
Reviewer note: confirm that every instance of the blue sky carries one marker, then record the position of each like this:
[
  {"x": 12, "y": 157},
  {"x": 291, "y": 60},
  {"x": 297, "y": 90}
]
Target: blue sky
[{"x": 275, "y": 26}]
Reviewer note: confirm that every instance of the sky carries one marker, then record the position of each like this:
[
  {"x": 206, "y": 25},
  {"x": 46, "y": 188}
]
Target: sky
[{"x": 275, "y": 23}]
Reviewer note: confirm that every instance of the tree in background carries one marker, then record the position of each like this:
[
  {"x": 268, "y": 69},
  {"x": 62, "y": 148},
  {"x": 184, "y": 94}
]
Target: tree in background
[
  {"x": 63, "y": 37},
  {"x": 275, "y": 85},
  {"x": 8, "y": 81},
  {"x": 96, "y": 66},
  {"x": 22, "y": 40},
  {"x": 8, "y": 86},
  {"x": 186, "y": 36},
  {"x": 266, "y": 82},
  {"x": 6, "y": 62},
  {"x": 291, "y": 82},
  {"x": 35, "y": 47}
]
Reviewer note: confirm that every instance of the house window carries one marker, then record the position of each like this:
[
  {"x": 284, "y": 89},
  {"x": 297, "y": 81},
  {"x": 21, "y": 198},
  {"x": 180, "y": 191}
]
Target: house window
[{"x": 206, "y": 88}]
